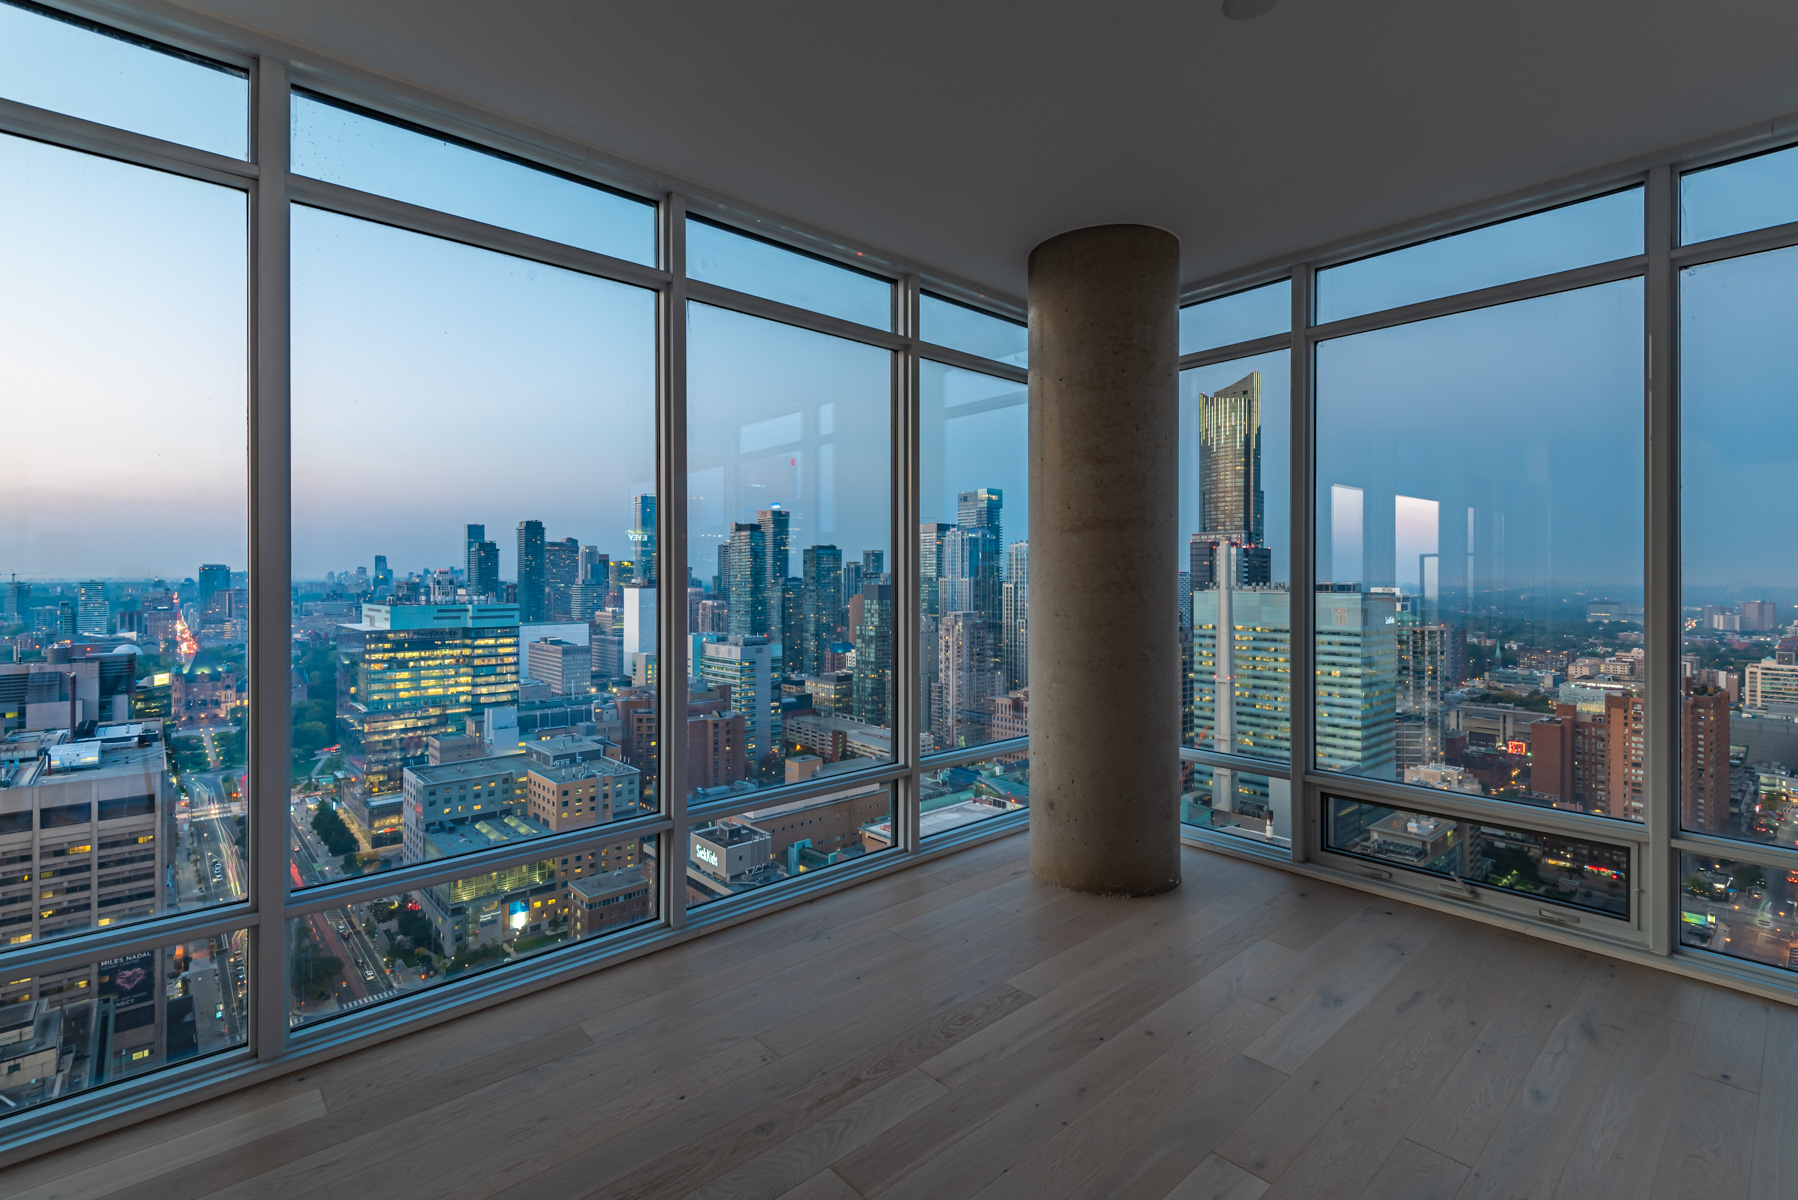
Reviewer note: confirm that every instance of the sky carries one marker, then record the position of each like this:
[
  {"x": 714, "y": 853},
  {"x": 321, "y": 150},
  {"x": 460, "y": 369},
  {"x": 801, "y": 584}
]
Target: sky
[
  {"x": 436, "y": 385},
  {"x": 1528, "y": 413}
]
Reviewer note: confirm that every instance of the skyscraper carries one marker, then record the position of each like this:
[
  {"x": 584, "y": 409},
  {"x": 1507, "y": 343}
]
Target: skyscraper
[
  {"x": 472, "y": 536},
  {"x": 822, "y": 614},
  {"x": 483, "y": 563},
  {"x": 589, "y": 594},
  {"x": 981, "y": 509},
  {"x": 1230, "y": 497},
  {"x": 748, "y": 666},
  {"x": 872, "y": 564},
  {"x": 383, "y": 574},
  {"x": 416, "y": 670},
  {"x": 561, "y": 570},
  {"x": 966, "y": 680},
  {"x": 18, "y": 601},
  {"x": 1704, "y": 763},
  {"x": 1244, "y": 563},
  {"x": 643, "y": 533},
  {"x": 93, "y": 617},
  {"x": 1017, "y": 616},
  {"x": 721, "y": 581},
  {"x": 215, "y": 577},
  {"x": 969, "y": 581},
  {"x": 874, "y": 651},
  {"x": 531, "y": 596},
  {"x": 746, "y": 580},
  {"x": 930, "y": 563},
  {"x": 776, "y": 523}
]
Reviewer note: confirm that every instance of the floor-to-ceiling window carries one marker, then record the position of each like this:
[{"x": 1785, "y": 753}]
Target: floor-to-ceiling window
[
  {"x": 1233, "y": 562},
  {"x": 1738, "y": 373},
  {"x": 568, "y": 521}
]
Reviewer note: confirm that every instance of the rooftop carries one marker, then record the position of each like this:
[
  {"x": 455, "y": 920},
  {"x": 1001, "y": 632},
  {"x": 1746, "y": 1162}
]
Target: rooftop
[
  {"x": 468, "y": 837},
  {"x": 473, "y": 768}
]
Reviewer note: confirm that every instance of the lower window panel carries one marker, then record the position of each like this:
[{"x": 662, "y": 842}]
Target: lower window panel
[
  {"x": 1740, "y": 909},
  {"x": 369, "y": 952},
  {"x": 69, "y": 1031},
  {"x": 951, "y": 797},
  {"x": 1247, "y": 805},
  {"x": 769, "y": 846},
  {"x": 1549, "y": 867}
]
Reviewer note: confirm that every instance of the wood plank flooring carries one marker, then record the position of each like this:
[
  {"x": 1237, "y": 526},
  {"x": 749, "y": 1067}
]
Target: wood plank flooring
[{"x": 962, "y": 1030}]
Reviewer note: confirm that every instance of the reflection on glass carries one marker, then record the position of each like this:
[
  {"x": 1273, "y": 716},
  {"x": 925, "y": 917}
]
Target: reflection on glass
[
  {"x": 1574, "y": 235},
  {"x": 1240, "y": 317},
  {"x": 71, "y": 66},
  {"x": 789, "y": 659},
  {"x": 1479, "y": 552},
  {"x": 1542, "y": 866},
  {"x": 951, "y": 797},
  {"x": 971, "y": 331},
  {"x": 1233, "y": 564},
  {"x": 1236, "y": 802},
  {"x": 458, "y": 690},
  {"x": 66, "y": 1032},
  {"x": 372, "y": 951},
  {"x": 732, "y": 855},
  {"x": 1750, "y": 193},
  {"x": 123, "y": 690},
  {"x": 1739, "y": 443},
  {"x": 342, "y": 145},
  {"x": 974, "y": 558},
  {"x": 1741, "y": 909},
  {"x": 749, "y": 264}
]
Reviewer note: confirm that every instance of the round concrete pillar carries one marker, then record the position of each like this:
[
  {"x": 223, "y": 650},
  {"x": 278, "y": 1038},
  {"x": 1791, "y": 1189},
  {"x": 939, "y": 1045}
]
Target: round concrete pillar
[{"x": 1104, "y": 493}]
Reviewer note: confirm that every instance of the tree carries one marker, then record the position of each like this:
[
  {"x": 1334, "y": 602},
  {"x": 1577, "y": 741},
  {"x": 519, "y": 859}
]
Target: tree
[
  {"x": 1747, "y": 878},
  {"x": 415, "y": 929},
  {"x": 314, "y": 971},
  {"x": 332, "y": 831}
]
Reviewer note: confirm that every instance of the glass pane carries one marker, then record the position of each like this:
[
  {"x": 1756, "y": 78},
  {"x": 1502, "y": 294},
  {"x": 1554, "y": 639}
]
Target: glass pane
[
  {"x": 69, "y": 1031},
  {"x": 350, "y": 957},
  {"x": 1258, "y": 312},
  {"x": 1739, "y": 441},
  {"x": 749, "y": 264},
  {"x": 739, "y": 854},
  {"x": 1542, "y": 866},
  {"x": 463, "y": 690},
  {"x": 1235, "y": 462},
  {"x": 1560, "y": 239},
  {"x": 951, "y": 797},
  {"x": 1237, "y": 802},
  {"x": 1740, "y": 909},
  {"x": 971, "y": 331},
  {"x": 974, "y": 557},
  {"x": 789, "y": 462},
  {"x": 57, "y": 62},
  {"x": 343, "y": 146},
  {"x": 1736, "y": 197},
  {"x": 1461, "y": 590},
  {"x": 123, "y": 688}
]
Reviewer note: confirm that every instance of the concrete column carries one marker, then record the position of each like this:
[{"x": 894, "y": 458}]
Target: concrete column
[{"x": 1104, "y": 492}]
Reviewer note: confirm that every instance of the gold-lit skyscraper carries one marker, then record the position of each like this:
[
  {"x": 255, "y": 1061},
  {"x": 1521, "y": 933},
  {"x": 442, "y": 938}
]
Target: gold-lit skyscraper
[{"x": 1232, "y": 504}]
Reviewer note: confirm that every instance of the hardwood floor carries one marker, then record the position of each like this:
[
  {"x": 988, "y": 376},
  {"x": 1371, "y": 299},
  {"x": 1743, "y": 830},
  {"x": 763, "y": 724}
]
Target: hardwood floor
[{"x": 962, "y": 1030}]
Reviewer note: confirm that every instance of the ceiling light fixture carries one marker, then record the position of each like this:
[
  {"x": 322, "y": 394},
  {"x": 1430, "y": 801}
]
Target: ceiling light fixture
[{"x": 1248, "y": 10}]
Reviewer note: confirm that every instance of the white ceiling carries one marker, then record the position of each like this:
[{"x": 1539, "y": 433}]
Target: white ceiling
[{"x": 960, "y": 133}]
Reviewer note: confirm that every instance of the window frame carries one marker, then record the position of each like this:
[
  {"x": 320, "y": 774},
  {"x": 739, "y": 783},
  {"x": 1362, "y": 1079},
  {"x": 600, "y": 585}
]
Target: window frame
[
  {"x": 273, "y": 1048},
  {"x": 1652, "y": 933},
  {"x": 273, "y": 1045}
]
